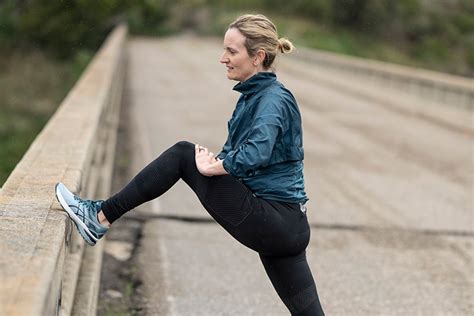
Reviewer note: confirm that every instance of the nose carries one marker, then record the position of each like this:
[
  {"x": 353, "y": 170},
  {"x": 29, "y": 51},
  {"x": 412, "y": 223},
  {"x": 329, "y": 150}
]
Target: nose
[{"x": 224, "y": 59}]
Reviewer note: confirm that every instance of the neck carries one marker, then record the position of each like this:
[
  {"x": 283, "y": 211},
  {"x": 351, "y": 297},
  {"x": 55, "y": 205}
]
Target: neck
[{"x": 259, "y": 69}]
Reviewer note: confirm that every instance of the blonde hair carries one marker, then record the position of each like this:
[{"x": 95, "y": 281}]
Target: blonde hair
[{"x": 261, "y": 33}]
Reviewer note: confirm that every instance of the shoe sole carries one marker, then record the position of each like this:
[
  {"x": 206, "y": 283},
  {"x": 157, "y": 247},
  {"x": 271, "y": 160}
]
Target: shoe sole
[{"x": 72, "y": 215}]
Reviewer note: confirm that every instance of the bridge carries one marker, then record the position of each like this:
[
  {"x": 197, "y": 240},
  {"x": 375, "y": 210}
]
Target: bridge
[{"x": 388, "y": 169}]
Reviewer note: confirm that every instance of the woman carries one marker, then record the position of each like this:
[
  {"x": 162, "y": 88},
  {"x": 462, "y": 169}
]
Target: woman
[{"x": 254, "y": 187}]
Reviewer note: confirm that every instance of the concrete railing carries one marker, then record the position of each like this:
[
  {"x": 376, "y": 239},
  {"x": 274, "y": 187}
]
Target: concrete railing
[
  {"x": 40, "y": 250},
  {"x": 431, "y": 85}
]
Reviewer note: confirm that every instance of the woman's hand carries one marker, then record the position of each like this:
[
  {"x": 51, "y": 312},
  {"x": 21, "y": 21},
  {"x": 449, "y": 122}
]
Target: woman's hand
[{"x": 207, "y": 164}]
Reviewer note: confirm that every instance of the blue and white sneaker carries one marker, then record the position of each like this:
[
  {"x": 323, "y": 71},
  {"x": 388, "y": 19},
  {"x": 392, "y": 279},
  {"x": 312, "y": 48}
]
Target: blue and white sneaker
[{"x": 83, "y": 213}]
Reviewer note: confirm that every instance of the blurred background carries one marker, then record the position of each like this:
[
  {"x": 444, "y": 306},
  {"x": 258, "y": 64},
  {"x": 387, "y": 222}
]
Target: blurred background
[{"x": 45, "y": 45}]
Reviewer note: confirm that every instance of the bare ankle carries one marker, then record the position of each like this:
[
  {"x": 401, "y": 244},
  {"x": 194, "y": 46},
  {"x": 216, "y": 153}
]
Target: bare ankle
[{"x": 102, "y": 220}]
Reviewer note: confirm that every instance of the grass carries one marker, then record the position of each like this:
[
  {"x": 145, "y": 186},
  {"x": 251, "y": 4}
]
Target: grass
[
  {"x": 429, "y": 53},
  {"x": 33, "y": 86}
]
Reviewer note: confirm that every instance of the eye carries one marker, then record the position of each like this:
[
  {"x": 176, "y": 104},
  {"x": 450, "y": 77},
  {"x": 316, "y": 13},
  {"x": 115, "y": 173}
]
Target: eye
[{"x": 231, "y": 51}]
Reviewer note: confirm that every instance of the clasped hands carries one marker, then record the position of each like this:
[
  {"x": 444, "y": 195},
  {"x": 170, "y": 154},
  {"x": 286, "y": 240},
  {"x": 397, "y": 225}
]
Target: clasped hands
[{"x": 207, "y": 164}]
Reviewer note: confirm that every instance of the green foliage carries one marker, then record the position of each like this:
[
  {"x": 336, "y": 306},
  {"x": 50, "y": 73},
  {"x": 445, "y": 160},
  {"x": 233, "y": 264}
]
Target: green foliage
[
  {"x": 470, "y": 53},
  {"x": 7, "y": 23},
  {"x": 423, "y": 29},
  {"x": 33, "y": 85},
  {"x": 67, "y": 26},
  {"x": 147, "y": 17},
  {"x": 429, "y": 32},
  {"x": 464, "y": 23}
]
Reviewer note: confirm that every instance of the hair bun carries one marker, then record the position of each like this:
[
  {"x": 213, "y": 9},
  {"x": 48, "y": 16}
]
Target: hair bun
[{"x": 285, "y": 46}]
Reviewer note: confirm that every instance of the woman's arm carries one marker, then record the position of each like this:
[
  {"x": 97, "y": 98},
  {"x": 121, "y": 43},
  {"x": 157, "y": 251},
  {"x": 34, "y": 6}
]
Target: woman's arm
[
  {"x": 255, "y": 152},
  {"x": 227, "y": 147},
  {"x": 207, "y": 164}
]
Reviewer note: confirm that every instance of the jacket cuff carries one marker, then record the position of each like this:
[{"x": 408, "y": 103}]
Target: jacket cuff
[{"x": 225, "y": 164}]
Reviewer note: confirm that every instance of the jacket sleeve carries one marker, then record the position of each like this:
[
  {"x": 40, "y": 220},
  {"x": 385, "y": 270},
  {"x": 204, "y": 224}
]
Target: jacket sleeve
[
  {"x": 256, "y": 151},
  {"x": 227, "y": 147}
]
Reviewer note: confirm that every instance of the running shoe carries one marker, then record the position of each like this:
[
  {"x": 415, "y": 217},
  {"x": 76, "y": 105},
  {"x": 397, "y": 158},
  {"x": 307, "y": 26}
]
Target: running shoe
[{"x": 83, "y": 213}]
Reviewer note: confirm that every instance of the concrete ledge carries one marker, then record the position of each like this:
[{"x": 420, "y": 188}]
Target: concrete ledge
[
  {"x": 39, "y": 249},
  {"x": 435, "y": 86}
]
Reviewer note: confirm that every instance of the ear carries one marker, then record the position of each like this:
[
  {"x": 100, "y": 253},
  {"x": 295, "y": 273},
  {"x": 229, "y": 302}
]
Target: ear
[{"x": 259, "y": 57}]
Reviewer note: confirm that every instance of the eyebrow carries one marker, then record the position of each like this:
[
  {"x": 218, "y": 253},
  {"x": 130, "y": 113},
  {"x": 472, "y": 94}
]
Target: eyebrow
[{"x": 230, "y": 48}]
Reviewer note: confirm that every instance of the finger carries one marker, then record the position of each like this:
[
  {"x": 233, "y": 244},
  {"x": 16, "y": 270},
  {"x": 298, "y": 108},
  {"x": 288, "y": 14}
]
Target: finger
[{"x": 199, "y": 149}]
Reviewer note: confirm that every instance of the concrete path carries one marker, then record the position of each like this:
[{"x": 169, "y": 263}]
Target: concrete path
[{"x": 391, "y": 194}]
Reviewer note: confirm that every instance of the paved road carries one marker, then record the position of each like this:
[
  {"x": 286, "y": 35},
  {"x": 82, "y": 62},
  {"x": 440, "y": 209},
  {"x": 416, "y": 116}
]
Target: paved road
[{"x": 390, "y": 189}]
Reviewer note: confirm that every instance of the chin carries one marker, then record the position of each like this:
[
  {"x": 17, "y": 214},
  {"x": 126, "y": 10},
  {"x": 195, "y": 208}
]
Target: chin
[{"x": 232, "y": 77}]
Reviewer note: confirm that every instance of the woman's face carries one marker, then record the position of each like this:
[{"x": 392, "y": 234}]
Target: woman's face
[{"x": 240, "y": 66}]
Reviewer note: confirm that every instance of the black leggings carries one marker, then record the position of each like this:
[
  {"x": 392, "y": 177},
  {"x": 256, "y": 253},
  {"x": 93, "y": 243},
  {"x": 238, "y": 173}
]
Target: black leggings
[{"x": 278, "y": 231}]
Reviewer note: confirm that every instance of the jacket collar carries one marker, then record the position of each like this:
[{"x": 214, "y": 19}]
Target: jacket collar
[{"x": 255, "y": 83}]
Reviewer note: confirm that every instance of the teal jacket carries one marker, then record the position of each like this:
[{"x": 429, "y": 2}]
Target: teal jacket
[{"x": 264, "y": 148}]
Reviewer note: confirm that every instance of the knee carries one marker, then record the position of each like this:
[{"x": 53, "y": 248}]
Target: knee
[
  {"x": 183, "y": 145},
  {"x": 183, "y": 149}
]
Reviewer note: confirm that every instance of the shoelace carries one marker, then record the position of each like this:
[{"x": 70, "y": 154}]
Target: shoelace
[{"x": 89, "y": 204}]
